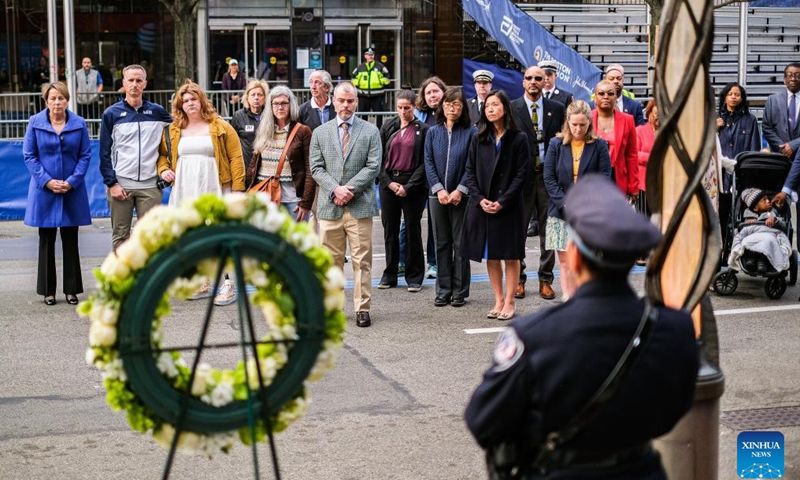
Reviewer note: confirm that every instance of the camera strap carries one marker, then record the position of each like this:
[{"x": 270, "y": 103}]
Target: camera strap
[{"x": 548, "y": 456}]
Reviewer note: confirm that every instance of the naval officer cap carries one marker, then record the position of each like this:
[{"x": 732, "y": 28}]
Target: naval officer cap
[
  {"x": 603, "y": 225},
  {"x": 548, "y": 65},
  {"x": 369, "y": 51},
  {"x": 482, "y": 76}
]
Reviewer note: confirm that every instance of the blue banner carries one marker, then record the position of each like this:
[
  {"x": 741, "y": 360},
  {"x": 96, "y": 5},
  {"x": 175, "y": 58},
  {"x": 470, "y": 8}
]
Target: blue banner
[
  {"x": 531, "y": 43},
  {"x": 506, "y": 79},
  {"x": 14, "y": 177}
]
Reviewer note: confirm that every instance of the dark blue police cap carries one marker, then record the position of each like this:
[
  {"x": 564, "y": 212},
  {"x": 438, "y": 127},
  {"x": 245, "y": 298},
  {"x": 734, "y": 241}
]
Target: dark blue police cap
[{"x": 604, "y": 226}]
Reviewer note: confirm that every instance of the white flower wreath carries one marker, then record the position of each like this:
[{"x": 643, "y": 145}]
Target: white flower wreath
[{"x": 160, "y": 228}]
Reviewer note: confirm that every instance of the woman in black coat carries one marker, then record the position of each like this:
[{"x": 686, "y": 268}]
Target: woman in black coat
[
  {"x": 403, "y": 191},
  {"x": 495, "y": 225}
]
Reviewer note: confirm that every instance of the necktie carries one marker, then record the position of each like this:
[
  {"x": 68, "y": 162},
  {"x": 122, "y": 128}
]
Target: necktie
[
  {"x": 547, "y": 95},
  {"x": 535, "y": 121},
  {"x": 792, "y": 112},
  {"x": 345, "y": 138}
]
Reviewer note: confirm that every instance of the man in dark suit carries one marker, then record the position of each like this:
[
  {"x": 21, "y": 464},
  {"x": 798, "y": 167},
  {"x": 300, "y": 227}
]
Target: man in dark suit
[
  {"x": 626, "y": 102},
  {"x": 551, "y": 91},
  {"x": 345, "y": 158},
  {"x": 319, "y": 108},
  {"x": 781, "y": 127},
  {"x": 483, "y": 85},
  {"x": 549, "y": 115},
  {"x": 574, "y": 347}
]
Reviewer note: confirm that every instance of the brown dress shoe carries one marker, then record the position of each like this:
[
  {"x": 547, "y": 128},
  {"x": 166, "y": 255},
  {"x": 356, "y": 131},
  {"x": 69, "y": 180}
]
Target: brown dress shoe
[
  {"x": 519, "y": 292},
  {"x": 362, "y": 319},
  {"x": 546, "y": 291}
]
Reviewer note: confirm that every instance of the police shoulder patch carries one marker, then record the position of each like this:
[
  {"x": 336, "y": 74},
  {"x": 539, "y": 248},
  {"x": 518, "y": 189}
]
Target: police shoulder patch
[{"x": 508, "y": 350}]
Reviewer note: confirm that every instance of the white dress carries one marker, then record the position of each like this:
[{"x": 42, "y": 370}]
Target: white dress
[{"x": 196, "y": 172}]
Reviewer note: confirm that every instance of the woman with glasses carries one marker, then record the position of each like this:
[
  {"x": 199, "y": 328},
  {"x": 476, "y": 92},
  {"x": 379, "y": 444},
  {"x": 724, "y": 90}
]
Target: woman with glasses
[
  {"x": 619, "y": 130},
  {"x": 278, "y": 123},
  {"x": 200, "y": 153},
  {"x": 494, "y": 228},
  {"x": 445, "y": 163},
  {"x": 575, "y": 152},
  {"x": 402, "y": 192}
]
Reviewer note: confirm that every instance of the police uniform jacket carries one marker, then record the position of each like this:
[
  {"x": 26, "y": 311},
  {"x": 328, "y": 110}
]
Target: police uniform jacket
[
  {"x": 496, "y": 176},
  {"x": 370, "y": 78},
  {"x": 550, "y": 363},
  {"x": 561, "y": 96},
  {"x": 474, "y": 110}
]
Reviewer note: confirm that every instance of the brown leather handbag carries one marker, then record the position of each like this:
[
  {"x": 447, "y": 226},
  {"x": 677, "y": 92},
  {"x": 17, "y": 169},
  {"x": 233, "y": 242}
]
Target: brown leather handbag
[{"x": 272, "y": 184}]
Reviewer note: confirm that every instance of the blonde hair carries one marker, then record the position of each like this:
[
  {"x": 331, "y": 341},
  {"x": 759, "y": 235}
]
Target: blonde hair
[
  {"x": 578, "y": 107},
  {"x": 252, "y": 85},
  {"x": 60, "y": 87},
  {"x": 207, "y": 111}
]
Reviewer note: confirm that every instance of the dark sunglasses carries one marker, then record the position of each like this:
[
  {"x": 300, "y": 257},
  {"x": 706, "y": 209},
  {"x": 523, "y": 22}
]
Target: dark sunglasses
[
  {"x": 537, "y": 78},
  {"x": 606, "y": 94}
]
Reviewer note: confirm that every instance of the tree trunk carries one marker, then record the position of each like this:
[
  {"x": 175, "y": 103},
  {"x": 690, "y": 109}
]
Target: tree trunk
[{"x": 184, "y": 18}]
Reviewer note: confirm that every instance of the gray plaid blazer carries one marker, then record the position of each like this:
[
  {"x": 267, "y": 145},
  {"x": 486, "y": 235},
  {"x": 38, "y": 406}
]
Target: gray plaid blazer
[{"x": 359, "y": 169}]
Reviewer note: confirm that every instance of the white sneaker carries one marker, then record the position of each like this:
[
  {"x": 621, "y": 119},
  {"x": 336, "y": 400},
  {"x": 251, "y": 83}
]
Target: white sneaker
[
  {"x": 202, "y": 292},
  {"x": 226, "y": 295}
]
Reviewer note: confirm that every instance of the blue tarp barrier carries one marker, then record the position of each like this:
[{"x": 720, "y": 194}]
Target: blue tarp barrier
[
  {"x": 14, "y": 178},
  {"x": 505, "y": 79},
  {"x": 530, "y": 43}
]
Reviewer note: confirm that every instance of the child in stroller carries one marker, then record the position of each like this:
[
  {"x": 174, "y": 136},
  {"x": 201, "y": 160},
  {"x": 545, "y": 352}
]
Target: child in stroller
[{"x": 762, "y": 233}]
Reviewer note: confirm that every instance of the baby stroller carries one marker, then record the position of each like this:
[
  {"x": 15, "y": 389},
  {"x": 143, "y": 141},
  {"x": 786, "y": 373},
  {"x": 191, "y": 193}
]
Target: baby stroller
[{"x": 766, "y": 171}]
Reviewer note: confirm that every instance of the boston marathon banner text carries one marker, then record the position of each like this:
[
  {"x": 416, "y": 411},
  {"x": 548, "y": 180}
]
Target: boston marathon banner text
[{"x": 530, "y": 43}]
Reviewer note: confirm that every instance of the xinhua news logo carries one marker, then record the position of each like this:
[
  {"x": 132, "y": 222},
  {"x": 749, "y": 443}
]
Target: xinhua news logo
[{"x": 760, "y": 455}]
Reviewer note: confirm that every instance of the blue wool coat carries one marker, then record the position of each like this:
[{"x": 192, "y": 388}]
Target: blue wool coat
[{"x": 62, "y": 157}]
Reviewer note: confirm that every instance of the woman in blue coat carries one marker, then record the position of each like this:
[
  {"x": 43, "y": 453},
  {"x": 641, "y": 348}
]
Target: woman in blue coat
[
  {"x": 575, "y": 152},
  {"x": 57, "y": 153}
]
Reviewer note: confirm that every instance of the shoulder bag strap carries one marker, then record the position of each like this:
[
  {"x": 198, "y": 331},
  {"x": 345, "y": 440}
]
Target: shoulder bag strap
[
  {"x": 604, "y": 393},
  {"x": 286, "y": 149}
]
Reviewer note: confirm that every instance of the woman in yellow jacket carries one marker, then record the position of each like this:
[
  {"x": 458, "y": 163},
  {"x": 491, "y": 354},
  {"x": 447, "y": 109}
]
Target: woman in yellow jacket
[{"x": 200, "y": 153}]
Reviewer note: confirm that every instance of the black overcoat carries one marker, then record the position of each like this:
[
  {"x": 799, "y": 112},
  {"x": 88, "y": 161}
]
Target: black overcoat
[{"x": 497, "y": 177}]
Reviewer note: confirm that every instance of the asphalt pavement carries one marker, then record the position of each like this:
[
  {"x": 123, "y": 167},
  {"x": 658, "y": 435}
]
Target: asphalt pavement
[{"x": 391, "y": 409}]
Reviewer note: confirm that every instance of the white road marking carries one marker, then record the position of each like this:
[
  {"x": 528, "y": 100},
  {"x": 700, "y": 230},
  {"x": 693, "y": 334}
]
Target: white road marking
[{"x": 736, "y": 311}]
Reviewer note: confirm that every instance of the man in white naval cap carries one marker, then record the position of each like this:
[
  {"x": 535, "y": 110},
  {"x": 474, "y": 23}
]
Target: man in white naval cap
[{"x": 483, "y": 85}]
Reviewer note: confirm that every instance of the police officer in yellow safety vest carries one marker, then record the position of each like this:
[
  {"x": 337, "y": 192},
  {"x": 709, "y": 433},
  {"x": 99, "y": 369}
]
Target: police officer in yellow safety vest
[{"x": 370, "y": 78}]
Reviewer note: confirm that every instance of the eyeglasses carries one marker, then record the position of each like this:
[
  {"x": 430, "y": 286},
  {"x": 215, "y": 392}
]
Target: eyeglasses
[
  {"x": 537, "y": 78},
  {"x": 606, "y": 94},
  {"x": 280, "y": 104},
  {"x": 793, "y": 76},
  {"x": 452, "y": 106}
]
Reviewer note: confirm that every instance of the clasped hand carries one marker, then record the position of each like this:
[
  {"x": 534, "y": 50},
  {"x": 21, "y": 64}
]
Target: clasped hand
[
  {"x": 342, "y": 194},
  {"x": 58, "y": 186},
  {"x": 489, "y": 206}
]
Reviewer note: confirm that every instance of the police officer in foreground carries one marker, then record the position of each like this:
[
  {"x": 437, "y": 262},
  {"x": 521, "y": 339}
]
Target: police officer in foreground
[
  {"x": 370, "y": 78},
  {"x": 542, "y": 411}
]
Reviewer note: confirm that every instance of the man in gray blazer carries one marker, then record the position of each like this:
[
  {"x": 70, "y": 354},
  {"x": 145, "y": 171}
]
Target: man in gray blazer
[
  {"x": 781, "y": 131},
  {"x": 781, "y": 128},
  {"x": 345, "y": 158}
]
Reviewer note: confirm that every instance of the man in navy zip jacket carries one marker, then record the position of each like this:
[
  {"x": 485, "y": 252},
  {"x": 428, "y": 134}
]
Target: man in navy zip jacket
[{"x": 129, "y": 140}]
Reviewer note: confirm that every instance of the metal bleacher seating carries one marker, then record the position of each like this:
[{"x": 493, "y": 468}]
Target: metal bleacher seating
[{"x": 618, "y": 33}]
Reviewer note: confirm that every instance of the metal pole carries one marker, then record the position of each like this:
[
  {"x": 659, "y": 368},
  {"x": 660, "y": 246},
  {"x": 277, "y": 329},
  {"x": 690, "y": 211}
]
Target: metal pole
[
  {"x": 680, "y": 156},
  {"x": 246, "y": 66},
  {"x": 52, "y": 40},
  {"x": 743, "y": 43},
  {"x": 69, "y": 53}
]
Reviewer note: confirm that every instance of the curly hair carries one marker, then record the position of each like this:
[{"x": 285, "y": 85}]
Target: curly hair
[{"x": 207, "y": 111}]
